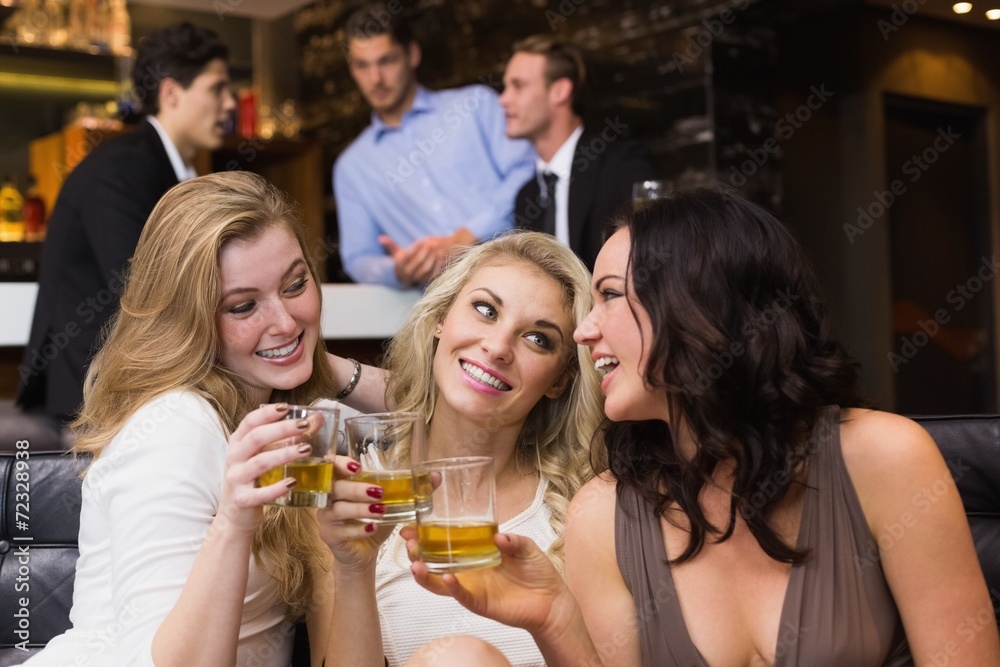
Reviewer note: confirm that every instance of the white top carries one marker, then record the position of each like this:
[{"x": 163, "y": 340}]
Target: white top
[
  {"x": 148, "y": 502},
  {"x": 411, "y": 616},
  {"x": 561, "y": 165}
]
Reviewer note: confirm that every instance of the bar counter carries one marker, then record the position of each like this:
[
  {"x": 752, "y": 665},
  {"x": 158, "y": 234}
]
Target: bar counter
[{"x": 350, "y": 312}]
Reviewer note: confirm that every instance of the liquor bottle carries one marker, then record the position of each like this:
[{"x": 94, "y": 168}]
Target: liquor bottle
[
  {"x": 120, "y": 31},
  {"x": 34, "y": 213},
  {"x": 11, "y": 212}
]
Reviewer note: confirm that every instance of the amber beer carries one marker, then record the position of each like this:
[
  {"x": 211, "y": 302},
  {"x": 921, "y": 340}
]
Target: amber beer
[
  {"x": 451, "y": 547},
  {"x": 456, "y": 517},
  {"x": 397, "y": 494},
  {"x": 313, "y": 482},
  {"x": 313, "y": 475}
]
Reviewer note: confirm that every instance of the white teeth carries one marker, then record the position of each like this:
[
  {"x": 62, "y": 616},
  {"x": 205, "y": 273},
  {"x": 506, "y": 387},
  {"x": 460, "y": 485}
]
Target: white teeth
[
  {"x": 280, "y": 352},
  {"x": 605, "y": 365},
  {"x": 484, "y": 377}
]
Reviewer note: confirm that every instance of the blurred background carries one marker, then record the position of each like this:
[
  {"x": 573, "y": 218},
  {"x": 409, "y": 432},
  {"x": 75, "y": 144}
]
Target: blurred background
[{"x": 871, "y": 127}]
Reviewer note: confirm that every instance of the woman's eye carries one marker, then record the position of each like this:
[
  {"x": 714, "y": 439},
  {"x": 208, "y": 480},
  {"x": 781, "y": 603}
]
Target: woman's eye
[
  {"x": 541, "y": 340},
  {"x": 242, "y": 308},
  {"x": 297, "y": 286},
  {"x": 609, "y": 294},
  {"x": 485, "y": 309}
]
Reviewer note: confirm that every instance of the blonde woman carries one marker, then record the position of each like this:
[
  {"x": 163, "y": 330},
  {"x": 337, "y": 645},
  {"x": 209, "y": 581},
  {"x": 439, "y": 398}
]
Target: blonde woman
[
  {"x": 507, "y": 309},
  {"x": 179, "y": 562}
]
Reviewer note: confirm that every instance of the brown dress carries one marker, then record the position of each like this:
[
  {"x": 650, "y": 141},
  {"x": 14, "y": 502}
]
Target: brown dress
[{"x": 838, "y": 609}]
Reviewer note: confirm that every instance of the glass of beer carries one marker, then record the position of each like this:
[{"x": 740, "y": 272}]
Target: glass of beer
[
  {"x": 387, "y": 445},
  {"x": 314, "y": 474},
  {"x": 456, "y": 517}
]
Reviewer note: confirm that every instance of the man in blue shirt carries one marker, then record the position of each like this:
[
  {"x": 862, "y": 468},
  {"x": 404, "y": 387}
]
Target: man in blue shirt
[{"x": 434, "y": 169}]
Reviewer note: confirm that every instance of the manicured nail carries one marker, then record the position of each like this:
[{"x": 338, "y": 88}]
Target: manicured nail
[
  {"x": 290, "y": 482},
  {"x": 374, "y": 491},
  {"x": 377, "y": 508},
  {"x": 369, "y": 527},
  {"x": 281, "y": 407},
  {"x": 304, "y": 449},
  {"x": 302, "y": 423},
  {"x": 354, "y": 466}
]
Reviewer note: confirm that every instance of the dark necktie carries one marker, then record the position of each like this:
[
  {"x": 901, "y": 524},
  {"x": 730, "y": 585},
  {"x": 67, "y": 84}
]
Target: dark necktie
[{"x": 547, "y": 202}]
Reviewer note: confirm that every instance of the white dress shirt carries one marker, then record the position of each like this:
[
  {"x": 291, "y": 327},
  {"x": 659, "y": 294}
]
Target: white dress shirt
[
  {"x": 183, "y": 170},
  {"x": 561, "y": 165}
]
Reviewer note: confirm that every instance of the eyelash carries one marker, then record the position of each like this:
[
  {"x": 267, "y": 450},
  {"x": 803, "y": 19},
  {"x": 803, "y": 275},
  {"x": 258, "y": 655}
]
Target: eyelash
[
  {"x": 295, "y": 288},
  {"x": 609, "y": 294},
  {"x": 541, "y": 341}
]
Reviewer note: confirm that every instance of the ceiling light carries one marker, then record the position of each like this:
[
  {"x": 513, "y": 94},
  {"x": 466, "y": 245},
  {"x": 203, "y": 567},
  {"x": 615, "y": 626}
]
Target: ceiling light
[
  {"x": 962, "y": 7},
  {"x": 993, "y": 14}
]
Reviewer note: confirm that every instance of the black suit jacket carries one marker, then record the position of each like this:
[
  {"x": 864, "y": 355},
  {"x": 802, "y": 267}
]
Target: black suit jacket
[
  {"x": 601, "y": 182},
  {"x": 92, "y": 233}
]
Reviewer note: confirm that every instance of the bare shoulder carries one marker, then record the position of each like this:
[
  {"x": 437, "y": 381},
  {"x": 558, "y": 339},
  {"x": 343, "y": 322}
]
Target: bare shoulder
[
  {"x": 595, "y": 501},
  {"x": 888, "y": 456}
]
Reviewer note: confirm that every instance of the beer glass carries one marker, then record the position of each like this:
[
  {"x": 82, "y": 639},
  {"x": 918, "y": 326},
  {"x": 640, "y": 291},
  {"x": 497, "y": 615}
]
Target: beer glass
[
  {"x": 456, "y": 515},
  {"x": 387, "y": 445},
  {"x": 314, "y": 474}
]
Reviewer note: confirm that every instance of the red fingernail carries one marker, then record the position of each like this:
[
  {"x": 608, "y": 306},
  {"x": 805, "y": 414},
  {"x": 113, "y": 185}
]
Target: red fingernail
[
  {"x": 370, "y": 527},
  {"x": 354, "y": 466},
  {"x": 374, "y": 491},
  {"x": 377, "y": 508}
]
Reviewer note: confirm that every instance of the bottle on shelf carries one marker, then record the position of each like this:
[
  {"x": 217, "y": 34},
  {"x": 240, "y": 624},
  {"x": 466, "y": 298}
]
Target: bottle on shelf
[
  {"x": 33, "y": 213},
  {"x": 11, "y": 212},
  {"x": 120, "y": 30}
]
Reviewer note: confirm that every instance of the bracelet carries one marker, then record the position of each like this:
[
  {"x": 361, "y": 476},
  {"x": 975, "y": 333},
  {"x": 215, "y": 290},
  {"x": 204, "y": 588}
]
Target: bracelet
[{"x": 352, "y": 383}]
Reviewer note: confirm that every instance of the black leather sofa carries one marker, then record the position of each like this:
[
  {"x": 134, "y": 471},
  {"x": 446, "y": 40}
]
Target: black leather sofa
[{"x": 970, "y": 444}]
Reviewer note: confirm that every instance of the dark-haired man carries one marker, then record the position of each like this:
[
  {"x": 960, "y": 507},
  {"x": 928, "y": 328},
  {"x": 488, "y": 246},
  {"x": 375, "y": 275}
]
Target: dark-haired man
[
  {"x": 583, "y": 175},
  {"x": 181, "y": 77},
  {"x": 433, "y": 170}
]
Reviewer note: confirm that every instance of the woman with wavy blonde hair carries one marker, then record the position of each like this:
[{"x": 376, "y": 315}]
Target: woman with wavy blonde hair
[
  {"x": 180, "y": 563},
  {"x": 487, "y": 354}
]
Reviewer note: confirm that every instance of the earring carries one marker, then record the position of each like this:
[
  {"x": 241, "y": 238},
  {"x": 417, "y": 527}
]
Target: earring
[{"x": 438, "y": 332}]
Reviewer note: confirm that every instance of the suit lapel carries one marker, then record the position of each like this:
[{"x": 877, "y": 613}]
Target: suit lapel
[{"x": 583, "y": 185}]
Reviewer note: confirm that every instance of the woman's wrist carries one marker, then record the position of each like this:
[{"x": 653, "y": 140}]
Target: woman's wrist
[{"x": 564, "y": 639}]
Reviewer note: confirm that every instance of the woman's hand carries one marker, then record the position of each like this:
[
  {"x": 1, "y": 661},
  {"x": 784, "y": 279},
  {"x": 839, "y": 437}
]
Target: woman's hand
[
  {"x": 241, "y": 502},
  {"x": 354, "y": 544},
  {"x": 525, "y": 590}
]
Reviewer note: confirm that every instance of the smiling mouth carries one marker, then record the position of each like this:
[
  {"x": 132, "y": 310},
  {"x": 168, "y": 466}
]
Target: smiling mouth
[
  {"x": 605, "y": 365},
  {"x": 482, "y": 376},
  {"x": 280, "y": 352}
]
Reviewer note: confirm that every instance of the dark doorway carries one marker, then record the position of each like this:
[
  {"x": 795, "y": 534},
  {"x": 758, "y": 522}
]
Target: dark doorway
[{"x": 942, "y": 260}]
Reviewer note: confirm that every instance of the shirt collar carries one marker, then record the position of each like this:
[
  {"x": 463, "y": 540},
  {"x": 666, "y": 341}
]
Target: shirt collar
[
  {"x": 562, "y": 162},
  {"x": 183, "y": 171},
  {"x": 422, "y": 103}
]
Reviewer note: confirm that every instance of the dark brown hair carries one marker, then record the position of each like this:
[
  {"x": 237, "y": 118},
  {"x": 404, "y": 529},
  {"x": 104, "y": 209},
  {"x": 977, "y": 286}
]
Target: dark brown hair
[
  {"x": 180, "y": 51},
  {"x": 744, "y": 349},
  {"x": 376, "y": 18}
]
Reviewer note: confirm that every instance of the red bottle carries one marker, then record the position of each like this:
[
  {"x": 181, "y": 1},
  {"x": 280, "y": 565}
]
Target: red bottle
[
  {"x": 248, "y": 113},
  {"x": 33, "y": 213}
]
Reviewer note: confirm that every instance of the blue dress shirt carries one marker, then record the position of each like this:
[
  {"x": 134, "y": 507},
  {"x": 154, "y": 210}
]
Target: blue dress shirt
[{"x": 448, "y": 165}]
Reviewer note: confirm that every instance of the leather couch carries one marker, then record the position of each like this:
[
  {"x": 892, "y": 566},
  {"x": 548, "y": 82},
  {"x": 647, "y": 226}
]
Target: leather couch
[{"x": 970, "y": 444}]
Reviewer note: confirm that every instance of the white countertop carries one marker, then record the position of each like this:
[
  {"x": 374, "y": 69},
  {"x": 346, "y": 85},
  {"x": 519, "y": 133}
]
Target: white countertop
[{"x": 349, "y": 311}]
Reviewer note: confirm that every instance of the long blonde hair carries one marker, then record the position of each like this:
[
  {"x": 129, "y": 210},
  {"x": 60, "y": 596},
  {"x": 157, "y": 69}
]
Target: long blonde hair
[
  {"x": 556, "y": 438},
  {"x": 165, "y": 338}
]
